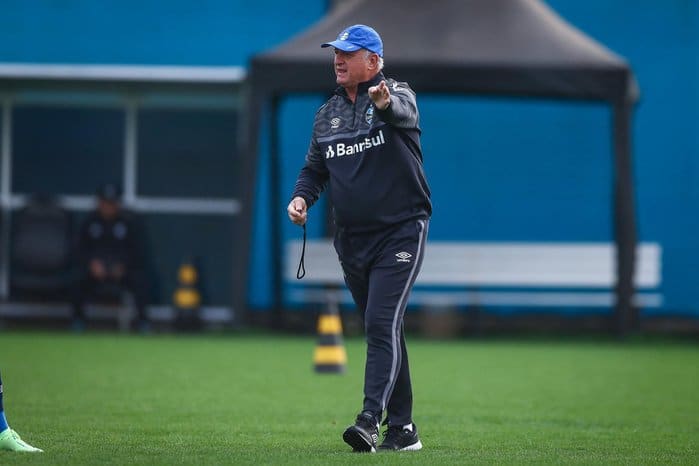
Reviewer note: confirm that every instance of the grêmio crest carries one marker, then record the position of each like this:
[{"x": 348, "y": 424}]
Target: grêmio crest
[{"x": 369, "y": 115}]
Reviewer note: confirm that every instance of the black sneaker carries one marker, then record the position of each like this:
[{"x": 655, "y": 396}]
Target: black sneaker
[
  {"x": 399, "y": 439},
  {"x": 364, "y": 434}
]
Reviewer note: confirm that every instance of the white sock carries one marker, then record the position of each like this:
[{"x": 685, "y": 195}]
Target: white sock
[{"x": 408, "y": 427}]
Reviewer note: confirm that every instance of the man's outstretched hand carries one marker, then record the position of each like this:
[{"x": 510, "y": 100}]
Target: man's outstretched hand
[{"x": 380, "y": 95}]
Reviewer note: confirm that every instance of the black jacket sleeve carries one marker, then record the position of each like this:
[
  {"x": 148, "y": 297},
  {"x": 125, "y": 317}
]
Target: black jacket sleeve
[
  {"x": 402, "y": 111},
  {"x": 313, "y": 177}
]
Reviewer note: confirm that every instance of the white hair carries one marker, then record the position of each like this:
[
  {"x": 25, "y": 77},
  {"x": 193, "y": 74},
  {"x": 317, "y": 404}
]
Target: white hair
[{"x": 380, "y": 62}]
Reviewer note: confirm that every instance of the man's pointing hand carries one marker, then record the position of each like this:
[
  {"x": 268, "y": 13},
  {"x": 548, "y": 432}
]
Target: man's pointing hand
[{"x": 380, "y": 95}]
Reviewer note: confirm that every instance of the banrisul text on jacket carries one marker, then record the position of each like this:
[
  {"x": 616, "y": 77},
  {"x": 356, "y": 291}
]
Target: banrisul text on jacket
[{"x": 370, "y": 160}]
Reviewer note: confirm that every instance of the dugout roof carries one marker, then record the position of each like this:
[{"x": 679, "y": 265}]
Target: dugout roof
[{"x": 486, "y": 47}]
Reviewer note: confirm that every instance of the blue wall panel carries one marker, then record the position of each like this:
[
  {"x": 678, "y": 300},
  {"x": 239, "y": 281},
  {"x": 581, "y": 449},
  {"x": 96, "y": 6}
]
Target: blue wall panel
[
  {"x": 661, "y": 42},
  {"x": 153, "y": 32},
  {"x": 517, "y": 170}
]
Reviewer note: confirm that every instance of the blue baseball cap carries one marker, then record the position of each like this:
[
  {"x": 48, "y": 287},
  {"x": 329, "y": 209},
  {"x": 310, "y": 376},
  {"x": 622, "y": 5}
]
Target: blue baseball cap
[{"x": 358, "y": 37}]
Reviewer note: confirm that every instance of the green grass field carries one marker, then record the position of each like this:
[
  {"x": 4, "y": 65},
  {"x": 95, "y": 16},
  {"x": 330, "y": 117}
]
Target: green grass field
[{"x": 108, "y": 399}]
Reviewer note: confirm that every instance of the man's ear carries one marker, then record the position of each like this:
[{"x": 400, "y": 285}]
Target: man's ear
[{"x": 373, "y": 61}]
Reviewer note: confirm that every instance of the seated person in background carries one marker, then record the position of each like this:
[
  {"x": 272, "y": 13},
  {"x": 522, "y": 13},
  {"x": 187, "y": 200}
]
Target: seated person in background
[{"x": 110, "y": 255}]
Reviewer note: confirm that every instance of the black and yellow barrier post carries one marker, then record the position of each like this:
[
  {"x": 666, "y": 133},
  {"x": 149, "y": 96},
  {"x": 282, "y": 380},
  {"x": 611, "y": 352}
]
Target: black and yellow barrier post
[
  {"x": 187, "y": 298},
  {"x": 330, "y": 355}
]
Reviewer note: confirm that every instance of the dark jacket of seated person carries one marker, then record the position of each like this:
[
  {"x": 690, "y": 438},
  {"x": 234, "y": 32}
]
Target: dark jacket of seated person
[{"x": 110, "y": 253}]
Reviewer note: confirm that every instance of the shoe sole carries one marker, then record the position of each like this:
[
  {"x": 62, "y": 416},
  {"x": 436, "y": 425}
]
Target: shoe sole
[
  {"x": 356, "y": 440},
  {"x": 413, "y": 447}
]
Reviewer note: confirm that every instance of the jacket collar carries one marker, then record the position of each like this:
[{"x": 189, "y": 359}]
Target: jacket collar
[{"x": 362, "y": 88}]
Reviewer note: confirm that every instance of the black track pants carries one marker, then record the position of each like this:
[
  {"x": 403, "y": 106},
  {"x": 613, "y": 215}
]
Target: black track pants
[{"x": 380, "y": 269}]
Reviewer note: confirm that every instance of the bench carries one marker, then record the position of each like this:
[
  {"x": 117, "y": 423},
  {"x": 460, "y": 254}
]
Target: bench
[
  {"x": 491, "y": 274},
  {"x": 213, "y": 316},
  {"x": 122, "y": 311}
]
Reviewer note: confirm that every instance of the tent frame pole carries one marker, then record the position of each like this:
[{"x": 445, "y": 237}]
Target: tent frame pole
[
  {"x": 627, "y": 318},
  {"x": 275, "y": 204}
]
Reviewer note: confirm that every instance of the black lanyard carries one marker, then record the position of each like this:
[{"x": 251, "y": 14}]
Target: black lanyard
[{"x": 301, "y": 271}]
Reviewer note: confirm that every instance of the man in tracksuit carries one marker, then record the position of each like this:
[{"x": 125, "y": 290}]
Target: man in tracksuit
[{"x": 366, "y": 149}]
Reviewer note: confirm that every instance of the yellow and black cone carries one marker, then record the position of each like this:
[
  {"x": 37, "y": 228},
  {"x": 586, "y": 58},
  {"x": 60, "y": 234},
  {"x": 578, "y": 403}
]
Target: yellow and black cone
[
  {"x": 187, "y": 298},
  {"x": 330, "y": 355}
]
